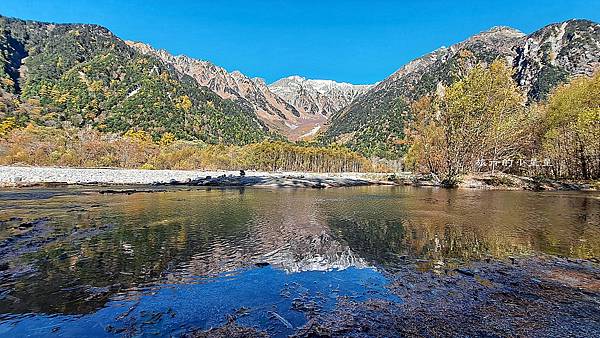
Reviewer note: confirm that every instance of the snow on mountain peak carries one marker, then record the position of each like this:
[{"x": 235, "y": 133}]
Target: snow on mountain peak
[{"x": 317, "y": 96}]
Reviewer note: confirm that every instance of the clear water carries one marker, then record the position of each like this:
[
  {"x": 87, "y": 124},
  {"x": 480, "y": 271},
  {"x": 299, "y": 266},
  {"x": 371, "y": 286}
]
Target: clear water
[{"x": 75, "y": 262}]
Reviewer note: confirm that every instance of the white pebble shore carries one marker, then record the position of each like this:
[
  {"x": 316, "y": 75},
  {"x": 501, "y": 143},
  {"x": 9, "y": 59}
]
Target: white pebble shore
[{"x": 20, "y": 175}]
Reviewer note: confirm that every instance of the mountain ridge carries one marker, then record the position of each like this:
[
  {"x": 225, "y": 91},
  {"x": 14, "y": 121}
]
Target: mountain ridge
[
  {"x": 374, "y": 123},
  {"x": 325, "y": 96},
  {"x": 292, "y": 118},
  {"x": 84, "y": 75}
]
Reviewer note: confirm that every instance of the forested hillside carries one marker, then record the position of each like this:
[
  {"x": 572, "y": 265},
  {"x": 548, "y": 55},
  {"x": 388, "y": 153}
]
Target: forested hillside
[
  {"x": 375, "y": 123},
  {"x": 83, "y": 75}
]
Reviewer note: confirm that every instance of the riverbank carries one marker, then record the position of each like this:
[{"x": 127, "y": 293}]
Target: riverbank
[
  {"x": 12, "y": 176},
  {"x": 498, "y": 181},
  {"x": 22, "y": 176}
]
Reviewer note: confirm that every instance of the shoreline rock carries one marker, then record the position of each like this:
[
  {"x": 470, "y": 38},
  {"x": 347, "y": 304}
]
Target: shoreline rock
[{"x": 499, "y": 181}]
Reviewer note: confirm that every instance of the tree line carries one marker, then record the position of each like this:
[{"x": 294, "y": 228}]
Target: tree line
[{"x": 87, "y": 147}]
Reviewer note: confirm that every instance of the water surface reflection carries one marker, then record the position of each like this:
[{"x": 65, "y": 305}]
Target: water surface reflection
[{"x": 74, "y": 251}]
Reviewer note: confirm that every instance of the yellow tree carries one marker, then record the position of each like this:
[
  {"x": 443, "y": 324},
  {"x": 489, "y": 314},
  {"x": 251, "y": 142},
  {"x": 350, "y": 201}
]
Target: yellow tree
[
  {"x": 425, "y": 136},
  {"x": 482, "y": 115},
  {"x": 572, "y": 120},
  {"x": 7, "y": 125}
]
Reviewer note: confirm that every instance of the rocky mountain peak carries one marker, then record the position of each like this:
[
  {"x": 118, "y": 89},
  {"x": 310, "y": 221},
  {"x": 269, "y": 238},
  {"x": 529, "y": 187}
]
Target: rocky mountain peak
[
  {"x": 322, "y": 97},
  {"x": 503, "y": 30},
  {"x": 259, "y": 81}
]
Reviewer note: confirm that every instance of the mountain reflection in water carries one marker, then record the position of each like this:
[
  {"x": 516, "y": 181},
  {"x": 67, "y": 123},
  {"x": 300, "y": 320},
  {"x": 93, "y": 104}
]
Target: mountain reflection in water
[{"x": 80, "y": 252}]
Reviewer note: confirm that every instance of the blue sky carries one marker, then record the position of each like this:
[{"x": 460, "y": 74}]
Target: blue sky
[{"x": 351, "y": 41}]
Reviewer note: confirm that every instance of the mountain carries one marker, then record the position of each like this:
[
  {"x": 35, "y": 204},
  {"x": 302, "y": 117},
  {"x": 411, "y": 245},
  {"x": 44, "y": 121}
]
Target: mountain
[
  {"x": 83, "y": 75},
  {"x": 294, "y": 106},
  {"x": 374, "y": 123},
  {"x": 253, "y": 94},
  {"x": 552, "y": 54},
  {"x": 316, "y": 98}
]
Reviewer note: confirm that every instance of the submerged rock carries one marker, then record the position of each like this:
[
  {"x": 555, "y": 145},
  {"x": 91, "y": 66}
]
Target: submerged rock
[{"x": 543, "y": 296}]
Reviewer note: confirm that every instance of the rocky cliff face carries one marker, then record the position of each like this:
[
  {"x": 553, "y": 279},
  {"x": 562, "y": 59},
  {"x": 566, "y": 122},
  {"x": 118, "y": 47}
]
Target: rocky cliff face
[
  {"x": 554, "y": 53},
  {"x": 317, "y": 96},
  {"x": 374, "y": 122}
]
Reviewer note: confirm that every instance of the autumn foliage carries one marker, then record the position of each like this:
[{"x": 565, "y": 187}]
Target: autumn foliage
[
  {"x": 483, "y": 120},
  {"x": 46, "y": 146},
  {"x": 572, "y": 129}
]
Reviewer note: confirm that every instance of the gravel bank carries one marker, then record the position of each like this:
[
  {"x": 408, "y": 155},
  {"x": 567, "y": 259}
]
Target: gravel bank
[{"x": 11, "y": 176}]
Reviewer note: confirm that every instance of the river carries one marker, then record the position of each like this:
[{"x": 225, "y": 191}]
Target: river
[{"x": 81, "y": 261}]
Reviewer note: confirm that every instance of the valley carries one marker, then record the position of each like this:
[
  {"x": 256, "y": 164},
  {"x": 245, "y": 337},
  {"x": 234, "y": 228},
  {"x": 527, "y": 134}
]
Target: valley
[
  {"x": 84, "y": 76},
  {"x": 153, "y": 183}
]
